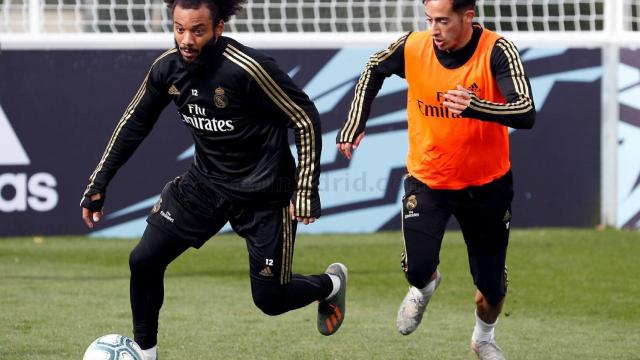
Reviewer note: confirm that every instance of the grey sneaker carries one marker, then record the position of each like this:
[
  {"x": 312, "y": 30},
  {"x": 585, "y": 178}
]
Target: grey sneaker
[
  {"x": 412, "y": 308},
  {"x": 487, "y": 350},
  {"x": 331, "y": 311}
]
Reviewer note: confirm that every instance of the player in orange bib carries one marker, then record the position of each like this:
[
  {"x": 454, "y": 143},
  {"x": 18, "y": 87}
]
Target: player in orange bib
[{"x": 466, "y": 86}]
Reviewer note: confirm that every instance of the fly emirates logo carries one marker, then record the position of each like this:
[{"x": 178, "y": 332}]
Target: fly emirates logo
[
  {"x": 197, "y": 117},
  {"x": 436, "y": 110}
]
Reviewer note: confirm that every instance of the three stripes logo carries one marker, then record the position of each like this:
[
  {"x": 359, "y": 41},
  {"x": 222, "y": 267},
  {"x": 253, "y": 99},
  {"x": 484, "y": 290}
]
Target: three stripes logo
[
  {"x": 334, "y": 318},
  {"x": 474, "y": 88},
  {"x": 266, "y": 272},
  {"x": 11, "y": 150},
  {"x": 173, "y": 90}
]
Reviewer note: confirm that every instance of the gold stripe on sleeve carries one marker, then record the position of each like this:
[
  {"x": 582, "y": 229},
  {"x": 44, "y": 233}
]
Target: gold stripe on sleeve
[
  {"x": 355, "y": 113},
  {"x": 123, "y": 120},
  {"x": 524, "y": 104},
  {"x": 297, "y": 116}
]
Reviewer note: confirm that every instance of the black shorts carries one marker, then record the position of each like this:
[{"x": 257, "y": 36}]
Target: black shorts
[
  {"x": 194, "y": 214},
  {"x": 484, "y": 215}
]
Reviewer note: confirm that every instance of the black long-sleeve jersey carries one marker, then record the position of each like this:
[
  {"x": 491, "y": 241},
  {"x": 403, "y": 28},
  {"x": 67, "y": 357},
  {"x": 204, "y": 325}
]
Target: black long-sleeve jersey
[
  {"x": 519, "y": 111},
  {"x": 238, "y": 106}
]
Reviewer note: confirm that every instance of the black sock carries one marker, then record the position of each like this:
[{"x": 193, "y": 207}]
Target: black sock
[
  {"x": 275, "y": 299},
  {"x": 148, "y": 262}
]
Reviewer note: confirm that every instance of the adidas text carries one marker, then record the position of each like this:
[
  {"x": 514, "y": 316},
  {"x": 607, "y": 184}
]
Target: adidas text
[{"x": 36, "y": 192}]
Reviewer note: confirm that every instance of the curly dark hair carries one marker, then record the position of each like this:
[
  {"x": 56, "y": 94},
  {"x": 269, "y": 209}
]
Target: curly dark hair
[{"x": 221, "y": 10}]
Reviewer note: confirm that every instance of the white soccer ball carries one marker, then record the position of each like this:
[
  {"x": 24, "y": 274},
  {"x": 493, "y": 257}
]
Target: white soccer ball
[{"x": 113, "y": 347}]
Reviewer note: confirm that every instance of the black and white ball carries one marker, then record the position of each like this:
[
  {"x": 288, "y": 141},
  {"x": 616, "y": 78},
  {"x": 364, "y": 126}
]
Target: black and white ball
[{"x": 113, "y": 347}]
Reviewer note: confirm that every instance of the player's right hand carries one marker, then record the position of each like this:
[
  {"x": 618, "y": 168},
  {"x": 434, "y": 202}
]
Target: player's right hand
[
  {"x": 92, "y": 209},
  {"x": 302, "y": 219},
  {"x": 346, "y": 149}
]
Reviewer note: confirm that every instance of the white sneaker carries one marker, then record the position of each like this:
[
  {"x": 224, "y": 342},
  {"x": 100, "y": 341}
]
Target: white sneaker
[
  {"x": 487, "y": 350},
  {"x": 413, "y": 307}
]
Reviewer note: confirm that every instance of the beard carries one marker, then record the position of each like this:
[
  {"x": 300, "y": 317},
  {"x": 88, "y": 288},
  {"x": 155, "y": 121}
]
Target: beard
[{"x": 200, "y": 53}]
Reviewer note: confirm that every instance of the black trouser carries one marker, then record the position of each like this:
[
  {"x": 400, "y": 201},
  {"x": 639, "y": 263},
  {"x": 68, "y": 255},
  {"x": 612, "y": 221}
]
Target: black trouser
[
  {"x": 484, "y": 215},
  {"x": 156, "y": 250},
  {"x": 182, "y": 219}
]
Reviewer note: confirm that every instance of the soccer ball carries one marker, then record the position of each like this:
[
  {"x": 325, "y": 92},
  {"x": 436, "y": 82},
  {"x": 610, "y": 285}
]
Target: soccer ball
[{"x": 113, "y": 347}]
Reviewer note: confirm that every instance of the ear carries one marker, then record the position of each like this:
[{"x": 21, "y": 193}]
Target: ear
[
  {"x": 219, "y": 29},
  {"x": 469, "y": 15}
]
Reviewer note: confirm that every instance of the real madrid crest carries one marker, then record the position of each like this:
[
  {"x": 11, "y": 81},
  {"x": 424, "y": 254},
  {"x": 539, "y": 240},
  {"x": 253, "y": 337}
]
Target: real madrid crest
[
  {"x": 156, "y": 207},
  {"x": 220, "y": 100},
  {"x": 412, "y": 202}
]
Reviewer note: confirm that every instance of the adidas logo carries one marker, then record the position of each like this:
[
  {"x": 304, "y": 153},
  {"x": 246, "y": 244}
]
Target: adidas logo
[
  {"x": 266, "y": 272},
  {"x": 27, "y": 192},
  {"x": 173, "y": 90},
  {"x": 11, "y": 150},
  {"x": 474, "y": 88},
  {"x": 507, "y": 216}
]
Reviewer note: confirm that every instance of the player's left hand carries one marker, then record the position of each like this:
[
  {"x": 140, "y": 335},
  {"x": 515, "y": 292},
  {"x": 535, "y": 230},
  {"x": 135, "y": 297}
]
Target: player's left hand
[
  {"x": 457, "y": 100},
  {"x": 302, "y": 219}
]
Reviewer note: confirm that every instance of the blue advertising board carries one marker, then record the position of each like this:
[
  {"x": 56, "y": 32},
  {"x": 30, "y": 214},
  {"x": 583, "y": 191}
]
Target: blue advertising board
[{"x": 59, "y": 108}]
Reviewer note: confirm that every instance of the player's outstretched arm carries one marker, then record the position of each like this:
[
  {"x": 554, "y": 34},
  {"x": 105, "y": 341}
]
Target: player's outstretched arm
[
  {"x": 380, "y": 66},
  {"x": 135, "y": 124}
]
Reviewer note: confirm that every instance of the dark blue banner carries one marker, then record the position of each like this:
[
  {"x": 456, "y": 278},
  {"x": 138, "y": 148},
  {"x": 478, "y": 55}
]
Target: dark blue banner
[{"x": 59, "y": 108}]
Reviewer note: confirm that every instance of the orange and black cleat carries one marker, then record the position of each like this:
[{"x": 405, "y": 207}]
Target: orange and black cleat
[{"x": 331, "y": 312}]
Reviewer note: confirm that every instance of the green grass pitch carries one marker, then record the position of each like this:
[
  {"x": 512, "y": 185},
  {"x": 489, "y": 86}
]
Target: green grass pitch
[{"x": 574, "y": 294}]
